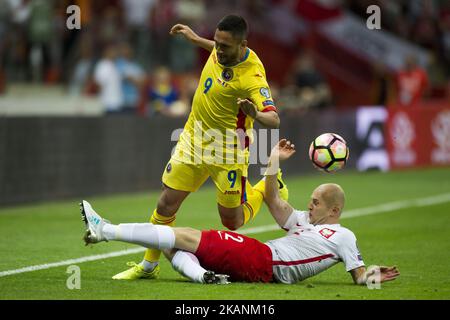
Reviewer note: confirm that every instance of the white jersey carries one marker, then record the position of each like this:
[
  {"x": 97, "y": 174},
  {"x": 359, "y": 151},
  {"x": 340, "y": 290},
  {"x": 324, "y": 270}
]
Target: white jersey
[
  {"x": 309, "y": 249},
  {"x": 110, "y": 81}
]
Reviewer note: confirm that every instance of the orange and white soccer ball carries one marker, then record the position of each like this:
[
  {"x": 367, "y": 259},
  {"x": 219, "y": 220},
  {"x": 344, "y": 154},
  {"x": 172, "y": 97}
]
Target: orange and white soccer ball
[{"x": 329, "y": 152}]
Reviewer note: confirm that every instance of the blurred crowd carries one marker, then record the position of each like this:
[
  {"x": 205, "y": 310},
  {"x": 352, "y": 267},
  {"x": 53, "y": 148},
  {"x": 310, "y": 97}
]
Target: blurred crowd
[
  {"x": 425, "y": 23},
  {"x": 123, "y": 52}
]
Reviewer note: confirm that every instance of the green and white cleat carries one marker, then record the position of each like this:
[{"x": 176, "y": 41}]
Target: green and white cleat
[
  {"x": 137, "y": 272},
  {"x": 94, "y": 224}
]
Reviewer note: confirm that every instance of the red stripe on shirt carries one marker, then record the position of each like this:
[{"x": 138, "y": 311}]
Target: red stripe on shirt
[
  {"x": 240, "y": 124},
  {"x": 270, "y": 108},
  {"x": 244, "y": 191},
  {"x": 296, "y": 262}
]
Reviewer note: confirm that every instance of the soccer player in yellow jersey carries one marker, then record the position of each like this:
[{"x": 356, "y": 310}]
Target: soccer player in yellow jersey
[{"x": 232, "y": 93}]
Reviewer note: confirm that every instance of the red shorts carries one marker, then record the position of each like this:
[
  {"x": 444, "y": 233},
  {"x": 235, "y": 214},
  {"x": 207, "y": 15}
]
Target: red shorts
[{"x": 240, "y": 257}]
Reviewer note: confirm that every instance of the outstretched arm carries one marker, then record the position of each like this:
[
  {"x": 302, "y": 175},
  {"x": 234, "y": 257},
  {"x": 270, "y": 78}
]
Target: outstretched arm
[
  {"x": 192, "y": 36},
  {"x": 361, "y": 274},
  {"x": 280, "y": 209},
  {"x": 267, "y": 119}
]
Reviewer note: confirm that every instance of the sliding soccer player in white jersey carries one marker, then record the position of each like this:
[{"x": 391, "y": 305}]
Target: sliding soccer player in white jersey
[{"x": 314, "y": 242}]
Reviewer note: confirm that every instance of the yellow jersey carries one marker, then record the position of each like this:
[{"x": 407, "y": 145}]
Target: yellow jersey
[{"x": 217, "y": 131}]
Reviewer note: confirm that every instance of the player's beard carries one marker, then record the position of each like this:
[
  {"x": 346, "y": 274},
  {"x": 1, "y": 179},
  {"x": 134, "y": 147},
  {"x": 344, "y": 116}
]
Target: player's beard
[
  {"x": 228, "y": 60},
  {"x": 222, "y": 59}
]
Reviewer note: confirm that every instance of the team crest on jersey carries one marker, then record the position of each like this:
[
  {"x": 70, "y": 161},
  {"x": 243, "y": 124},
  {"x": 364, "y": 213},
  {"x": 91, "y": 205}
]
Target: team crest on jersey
[
  {"x": 227, "y": 74},
  {"x": 265, "y": 92},
  {"x": 327, "y": 233}
]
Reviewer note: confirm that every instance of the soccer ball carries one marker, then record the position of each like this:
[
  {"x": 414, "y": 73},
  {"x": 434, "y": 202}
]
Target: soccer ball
[{"x": 329, "y": 152}]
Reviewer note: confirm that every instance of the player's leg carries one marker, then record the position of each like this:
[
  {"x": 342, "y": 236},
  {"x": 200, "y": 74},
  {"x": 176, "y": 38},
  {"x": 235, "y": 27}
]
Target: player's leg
[
  {"x": 152, "y": 236},
  {"x": 145, "y": 234},
  {"x": 169, "y": 202},
  {"x": 187, "y": 264},
  {"x": 237, "y": 201},
  {"x": 230, "y": 185},
  {"x": 179, "y": 179},
  {"x": 232, "y": 218}
]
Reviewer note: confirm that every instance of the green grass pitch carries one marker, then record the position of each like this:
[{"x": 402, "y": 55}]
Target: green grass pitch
[{"x": 415, "y": 238}]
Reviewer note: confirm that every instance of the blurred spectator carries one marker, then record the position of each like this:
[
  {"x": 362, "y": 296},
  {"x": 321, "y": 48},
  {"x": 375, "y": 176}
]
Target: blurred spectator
[
  {"x": 444, "y": 20},
  {"x": 83, "y": 70},
  {"x": 307, "y": 89},
  {"x": 437, "y": 74},
  {"x": 425, "y": 31},
  {"x": 3, "y": 34},
  {"x": 42, "y": 35},
  {"x": 133, "y": 78},
  {"x": 138, "y": 19},
  {"x": 382, "y": 85},
  {"x": 183, "y": 54},
  {"x": 110, "y": 29},
  {"x": 412, "y": 83},
  {"x": 15, "y": 15},
  {"x": 182, "y": 106},
  {"x": 162, "y": 21},
  {"x": 162, "y": 92},
  {"x": 109, "y": 80}
]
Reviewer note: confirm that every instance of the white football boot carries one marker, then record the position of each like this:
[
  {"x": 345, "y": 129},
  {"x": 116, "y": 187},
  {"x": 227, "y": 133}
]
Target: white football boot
[{"x": 94, "y": 224}]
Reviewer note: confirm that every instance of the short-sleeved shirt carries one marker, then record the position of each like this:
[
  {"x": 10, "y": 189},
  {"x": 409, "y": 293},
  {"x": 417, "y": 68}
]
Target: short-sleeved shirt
[
  {"x": 309, "y": 249},
  {"x": 215, "y": 111},
  {"x": 109, "y": 79}
]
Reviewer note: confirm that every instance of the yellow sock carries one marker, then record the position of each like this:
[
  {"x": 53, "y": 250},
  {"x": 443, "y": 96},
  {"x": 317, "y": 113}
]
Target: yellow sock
[
  {"x": 253, "y": 204},
  {"x": 153, "y": 255}
]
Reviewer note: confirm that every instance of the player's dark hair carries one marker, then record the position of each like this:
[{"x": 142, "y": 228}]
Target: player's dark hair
[{"x": 236, "y": 25}]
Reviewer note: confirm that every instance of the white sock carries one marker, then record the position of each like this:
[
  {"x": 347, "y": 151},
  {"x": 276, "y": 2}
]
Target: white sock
[
  {"x": 149, "y": 265},
  {"x": 109, "y": 231},
  {"x": 144, "y": 234},
  {"x": 188, "y": 265}
]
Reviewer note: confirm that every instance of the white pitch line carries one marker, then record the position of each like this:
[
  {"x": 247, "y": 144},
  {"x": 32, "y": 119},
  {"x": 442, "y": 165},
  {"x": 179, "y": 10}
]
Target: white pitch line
[
  {"x": 390, "y": 206},
  {"x": 71, "y": 261}
]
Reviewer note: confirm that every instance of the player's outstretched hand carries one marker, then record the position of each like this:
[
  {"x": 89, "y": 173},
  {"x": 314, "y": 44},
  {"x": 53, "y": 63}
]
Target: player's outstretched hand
[
  {"x": 247, "y": 107},
  {"x": 387, "y": 273},
  {"x": 183, "y": 30},
  {"x": 283, "y": 150}
]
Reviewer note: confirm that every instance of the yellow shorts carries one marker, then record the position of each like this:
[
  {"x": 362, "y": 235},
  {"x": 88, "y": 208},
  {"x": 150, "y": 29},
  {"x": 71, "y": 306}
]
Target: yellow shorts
[{"x": 230, "y": 181}]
